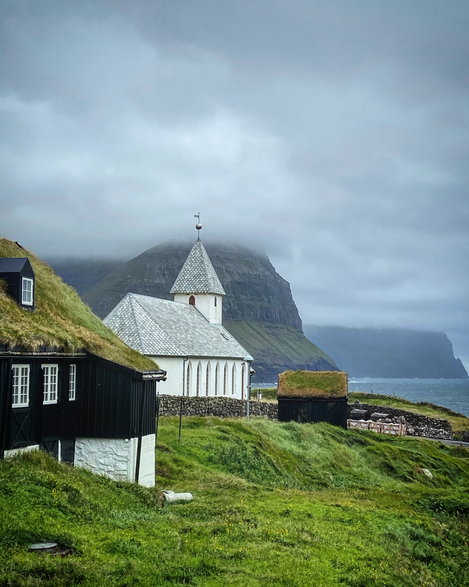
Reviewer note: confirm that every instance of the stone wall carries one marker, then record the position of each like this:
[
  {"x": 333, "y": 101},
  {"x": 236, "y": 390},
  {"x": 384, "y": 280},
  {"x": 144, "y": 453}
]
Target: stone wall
[
  {"x": 226, "y": 407},
  {"x": 221, "y": 407},
  {"x": 416, "y": 424},
  {"x": 117, "y": 458}
]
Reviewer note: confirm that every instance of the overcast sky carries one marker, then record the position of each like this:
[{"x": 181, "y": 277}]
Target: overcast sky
[{"x": 331, "y": 134}]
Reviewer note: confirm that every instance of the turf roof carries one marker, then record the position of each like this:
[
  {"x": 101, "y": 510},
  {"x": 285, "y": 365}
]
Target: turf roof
[
  {"x": 312, "y": 384},
  {"x": 60, "y": 320}
]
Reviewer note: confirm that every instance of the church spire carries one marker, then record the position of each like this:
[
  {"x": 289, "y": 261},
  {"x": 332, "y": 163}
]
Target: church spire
[{"x": 198, "y": 283}]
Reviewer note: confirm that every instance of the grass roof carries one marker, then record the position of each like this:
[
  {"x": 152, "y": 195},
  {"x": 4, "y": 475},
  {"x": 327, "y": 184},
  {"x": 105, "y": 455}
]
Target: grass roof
[
  {"x": 312, "y": 384},
  {"x": 60, "y": 320}
]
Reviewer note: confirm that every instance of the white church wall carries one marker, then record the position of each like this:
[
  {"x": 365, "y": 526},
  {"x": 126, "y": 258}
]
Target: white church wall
[
  {"x": 180, "y": 383},
  {"x": 210, "y": 305}
]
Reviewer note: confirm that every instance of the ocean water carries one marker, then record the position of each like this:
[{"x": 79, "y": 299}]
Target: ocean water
[{"x": 450, "y": 393}]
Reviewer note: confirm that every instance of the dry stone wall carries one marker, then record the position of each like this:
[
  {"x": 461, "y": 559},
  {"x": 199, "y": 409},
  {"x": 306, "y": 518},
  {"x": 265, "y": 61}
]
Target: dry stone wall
[
  {"x": 226, "y": 407},
  {"x": 221, "y": 407},
  {"x": 416, "y": 424}
]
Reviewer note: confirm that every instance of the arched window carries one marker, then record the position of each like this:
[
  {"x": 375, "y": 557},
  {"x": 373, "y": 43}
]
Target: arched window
[
  {"x": 217, "y": 377},
  {"x": 233, "y": 379},
  {"x": 215, "y": 301},
  {"x": 225, "y": 378},
  {"x": 197, "y": 380},
  {"x": 192, "y": 300},
  {"x": 243, "y": 377},
  {"x": 188, "y": 378},
  {"x": 207, "y": 379}
]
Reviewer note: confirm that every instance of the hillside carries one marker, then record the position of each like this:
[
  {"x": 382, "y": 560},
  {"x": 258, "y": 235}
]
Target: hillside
[
  {"x": 258, "y": 309},
  {"x": 366, "y": 352},
  {"x": 60, "y": 320},
  {"x": 274, "y": 504}
]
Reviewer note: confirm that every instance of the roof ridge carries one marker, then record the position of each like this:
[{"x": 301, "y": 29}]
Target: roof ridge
[{"x": 131, "y": 296}]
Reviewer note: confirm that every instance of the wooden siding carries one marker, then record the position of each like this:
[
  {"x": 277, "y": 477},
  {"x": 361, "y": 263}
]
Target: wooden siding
[{"x": 112, "y": 401}]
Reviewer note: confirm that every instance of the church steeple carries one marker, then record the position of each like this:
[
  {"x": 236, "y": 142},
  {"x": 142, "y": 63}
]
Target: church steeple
[{"x": 198, "y": 283}]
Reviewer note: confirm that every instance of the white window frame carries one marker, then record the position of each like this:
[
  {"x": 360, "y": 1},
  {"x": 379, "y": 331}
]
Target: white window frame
[
  {"x": 51, "y": 384},
  {"x": 20, "y": 395},
  {"x": 27, "y": 291},
  {"x": 72, "y": 382}
]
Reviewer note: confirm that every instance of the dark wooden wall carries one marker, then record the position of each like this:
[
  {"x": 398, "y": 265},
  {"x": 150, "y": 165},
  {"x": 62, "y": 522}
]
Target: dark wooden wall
[
  {"x": 112, "y": 401},
  {"x": 333, "y": 411}
]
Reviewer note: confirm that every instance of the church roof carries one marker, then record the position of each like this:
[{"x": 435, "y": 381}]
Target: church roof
[
  {"x": 159, "y": 327},
  {"x": 197, "y": 274}
]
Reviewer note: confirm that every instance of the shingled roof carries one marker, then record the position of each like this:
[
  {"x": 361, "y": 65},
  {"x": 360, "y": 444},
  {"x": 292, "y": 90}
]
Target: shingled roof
[
  {"x": 197, "y": 274},
  {"x": 157, "y": 327}
]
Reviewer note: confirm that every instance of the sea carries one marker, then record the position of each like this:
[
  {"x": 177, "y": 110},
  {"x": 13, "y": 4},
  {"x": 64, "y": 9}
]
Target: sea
[{"x": 450, "y": 393}]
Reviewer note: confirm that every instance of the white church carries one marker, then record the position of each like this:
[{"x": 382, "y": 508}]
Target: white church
[{"x": 185, "y": 337}]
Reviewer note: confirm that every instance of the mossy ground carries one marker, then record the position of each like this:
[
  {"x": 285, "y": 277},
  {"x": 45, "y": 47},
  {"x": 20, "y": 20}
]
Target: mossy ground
[{"x": 274, "y": 504}]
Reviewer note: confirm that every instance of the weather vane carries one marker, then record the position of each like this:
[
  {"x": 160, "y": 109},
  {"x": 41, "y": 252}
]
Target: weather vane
[{"x": 198, "y": 225}]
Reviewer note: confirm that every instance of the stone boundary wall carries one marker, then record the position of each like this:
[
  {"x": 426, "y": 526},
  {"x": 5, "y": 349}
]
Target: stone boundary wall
[
  {"x": 220, "y": 407},
  {"x": 227, "y": 407},
  {"x": 392, "y": 428},
  {"x": 417, "y": 425}
]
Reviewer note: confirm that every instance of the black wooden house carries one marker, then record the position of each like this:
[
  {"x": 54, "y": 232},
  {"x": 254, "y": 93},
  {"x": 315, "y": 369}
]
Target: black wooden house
[
  {"x": 61, "y": 399},
  {"x": 313, "y": 396}
]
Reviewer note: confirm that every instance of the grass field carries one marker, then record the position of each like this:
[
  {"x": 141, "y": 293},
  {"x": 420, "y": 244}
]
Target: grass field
[{"x": 274, "y": 504}]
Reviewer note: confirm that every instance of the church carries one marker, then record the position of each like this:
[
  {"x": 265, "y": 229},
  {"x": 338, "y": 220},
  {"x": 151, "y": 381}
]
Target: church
[{"x": 186, "y": 337}]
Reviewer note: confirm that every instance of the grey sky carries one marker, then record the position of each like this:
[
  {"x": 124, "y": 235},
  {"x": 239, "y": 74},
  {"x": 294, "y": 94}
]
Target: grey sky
[{"x": 331, "y": 134}]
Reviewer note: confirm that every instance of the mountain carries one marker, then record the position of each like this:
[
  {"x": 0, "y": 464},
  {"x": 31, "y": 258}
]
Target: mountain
[
  {"x": 258, "y": 309},
  {"x": 365, "y": 352}
]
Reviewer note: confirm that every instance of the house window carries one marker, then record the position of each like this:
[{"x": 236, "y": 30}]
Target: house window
[
  {"x": 50, "y": 383},
  {"x": 27, "y": 286},
  {"x": 192, "y": 300},
  {"x": 72, "y": 382},
  {"x": 20, "y": 397}
]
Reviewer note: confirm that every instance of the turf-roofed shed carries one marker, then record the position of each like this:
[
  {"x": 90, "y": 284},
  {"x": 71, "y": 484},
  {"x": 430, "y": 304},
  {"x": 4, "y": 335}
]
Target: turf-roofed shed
[
  {"x": 68, "y": 384},
  {"x": 313, "y": 396}
]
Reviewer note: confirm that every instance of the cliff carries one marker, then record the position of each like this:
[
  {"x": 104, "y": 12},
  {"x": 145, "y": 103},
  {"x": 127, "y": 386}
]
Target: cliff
[
  {"x": 365, "y": 352},
  {"x": 258, "y": 309}
]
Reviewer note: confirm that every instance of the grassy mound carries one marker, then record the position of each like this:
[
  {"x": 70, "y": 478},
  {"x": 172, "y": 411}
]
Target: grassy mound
[
  {"x": 60, "y": 319},
  {"x": 274, "y": 504}
]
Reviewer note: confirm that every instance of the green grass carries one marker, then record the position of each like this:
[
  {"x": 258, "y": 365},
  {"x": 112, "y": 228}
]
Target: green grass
[
  {"x": 60, "y": 319},
  {"x": 312, "y": 383},
  {"x": 274, "y": 504}
]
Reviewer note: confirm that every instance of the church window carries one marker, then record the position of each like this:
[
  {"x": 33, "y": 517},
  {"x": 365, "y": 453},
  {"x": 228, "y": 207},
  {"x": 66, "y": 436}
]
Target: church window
[
  {"x": 243, "y": 377},
  {"x": 192, "y": 300},
  {"x": 207, "y": 380},
  {"x": 233, "y": 379},
  {"x": 197, "y": 381},
  {"x": 217, "y": 377},
  {"x": 225, "y": 378},
  {"x": 215, "y": 301},
  {"x": 188, "y": 379}
]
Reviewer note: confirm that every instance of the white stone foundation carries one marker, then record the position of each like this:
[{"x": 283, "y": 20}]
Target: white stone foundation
[
  {"x": 18, "y": 451},
  {"x": 117, "y": 458}
]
